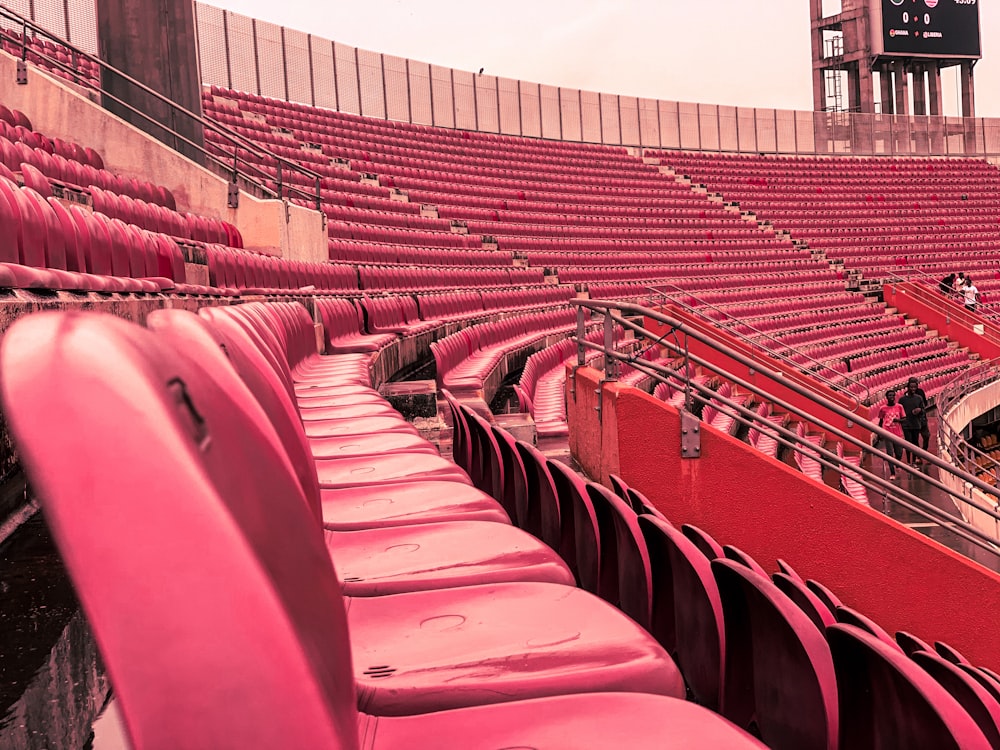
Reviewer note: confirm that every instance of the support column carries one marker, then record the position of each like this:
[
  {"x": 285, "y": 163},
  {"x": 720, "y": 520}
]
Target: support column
[
  {"x": 888, "y": 101},
  {"x": 936, "y": 125},
  {"x": 865, "y": 87},
  {"x": 919, "y": 91},
  {"x": 968, "y": 89},
  {"x": 969, "y": 107},
  {"x": 934, "y": 88},
  {"x": 155, "y": 43},
  {"x": 902, "y": 88}
]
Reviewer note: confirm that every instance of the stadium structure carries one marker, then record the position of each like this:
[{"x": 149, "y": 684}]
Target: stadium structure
[{"x": 351, "y": 401}]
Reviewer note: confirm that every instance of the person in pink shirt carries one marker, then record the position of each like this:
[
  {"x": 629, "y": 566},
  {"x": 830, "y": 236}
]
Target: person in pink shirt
[{"x": 890, "y": 417}]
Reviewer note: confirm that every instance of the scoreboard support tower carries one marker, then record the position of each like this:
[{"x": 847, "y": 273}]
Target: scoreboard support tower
[{"x": 908, "y": 42}]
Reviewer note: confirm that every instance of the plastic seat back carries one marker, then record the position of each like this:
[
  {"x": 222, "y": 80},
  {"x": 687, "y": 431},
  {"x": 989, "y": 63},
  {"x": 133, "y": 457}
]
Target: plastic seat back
[
  {"x": 888, "y": 700},
  {"x": 580, "y": 539},
  {"x": 633, "y": 565},
  {"x": 229, "y": 570},
  {"x": 541, "y": 516},
  {"x": 778, "y": 670},
  {"x": 686, "y": 613}
]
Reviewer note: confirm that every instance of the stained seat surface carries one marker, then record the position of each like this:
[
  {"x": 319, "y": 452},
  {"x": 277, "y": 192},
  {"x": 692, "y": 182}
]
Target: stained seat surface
[
  {"x": 403, "y": 503},
  {"x": 497, "y": 643},
  {"x": 357, "y": 471},
  {"x": 440, "y": 555}
]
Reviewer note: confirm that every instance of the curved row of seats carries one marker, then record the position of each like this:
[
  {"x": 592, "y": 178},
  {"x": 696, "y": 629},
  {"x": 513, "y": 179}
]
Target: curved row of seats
[
  {"x": 777, "y": 653},
  {"x": 541, "y": 389},
  {"x": 47, "y": 246},
  {"x": 365, "y": 646},
  {"x": 465, "y": 360},
  {"x": 255, "y": 273}
]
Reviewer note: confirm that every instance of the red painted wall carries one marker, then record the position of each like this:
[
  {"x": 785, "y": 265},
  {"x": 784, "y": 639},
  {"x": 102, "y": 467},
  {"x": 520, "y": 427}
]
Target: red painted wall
[
  {"x": 901, "y": 579},
  {"x": 945, "y": 316}
]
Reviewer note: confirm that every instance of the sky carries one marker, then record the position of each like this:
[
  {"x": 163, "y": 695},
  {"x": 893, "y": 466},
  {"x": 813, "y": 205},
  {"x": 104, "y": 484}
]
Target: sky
[{"x": 736, "y": 52}]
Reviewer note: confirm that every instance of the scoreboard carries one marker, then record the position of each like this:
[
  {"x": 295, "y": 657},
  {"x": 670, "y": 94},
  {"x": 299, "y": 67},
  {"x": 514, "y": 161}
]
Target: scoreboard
[{"x": 926, "y": 28}]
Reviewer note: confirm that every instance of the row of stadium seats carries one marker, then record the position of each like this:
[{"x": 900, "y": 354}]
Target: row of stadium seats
[{"x": 251, "y": 508}]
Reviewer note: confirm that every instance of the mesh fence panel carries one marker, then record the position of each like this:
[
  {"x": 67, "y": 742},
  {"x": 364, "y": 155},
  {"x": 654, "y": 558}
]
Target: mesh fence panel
[
  {"x": 690, "y": 125},
  {"x": 510, "y": 107},
  {"x": 298, "y": 67},
  {"x": 551, "y": 127},
  {"x": 670, "y": 126},
  {"x": 611, "y": 130},
  {"x": 628, "y": 109},
  {"x": 728, "y": 129},
  {"x": 397, "y": 85},
  {"x": 212, "y": 46},
  {"x": 270, "y": 60},
  {"x": 420, "y": 93},
  {"x": 51, "y": 16},
  {"x": 590, "y": 113},
  {"x": 324, "y": 82},
  {"x": 443, "y": 97},
  {"x": 649, "y": 123},
  {"x": 82, "y": 25},
  {"x": 708, "y": 127},
  {"x": 346, "y": 67},
  {"x": 465, "y": 100},
  {"x": 805, "y": 135},
  {"x": 785, "y": 131},
  {"x": 486, "y": 103},
  {"x": 569, "y": 106},
  {"x": 242, "y": 62},
  {"x": 766, "y": 136},
  {"x": 531, "y": 110},
  {"x": 746, "y": 125},
  {"x": 372, "y": 90}
]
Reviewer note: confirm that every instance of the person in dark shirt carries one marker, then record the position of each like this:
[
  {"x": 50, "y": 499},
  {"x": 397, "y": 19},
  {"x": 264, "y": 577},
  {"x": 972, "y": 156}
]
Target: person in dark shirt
[
  {"x": 914, "y": 405},
  {"x": 925, "y": 433}
]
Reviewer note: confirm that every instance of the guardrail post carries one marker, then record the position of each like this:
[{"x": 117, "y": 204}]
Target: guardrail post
[
  {"x": 610, "y": 363},
  {"x": 581, "y": 334}
]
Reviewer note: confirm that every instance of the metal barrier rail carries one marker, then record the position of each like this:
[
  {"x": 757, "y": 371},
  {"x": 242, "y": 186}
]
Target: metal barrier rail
[
  {"x": 781, "y": 356},
  {"x": 620, "y": 313},
  {"x": 933, "y": 299},
  {"x": 961, "y": 452},
  {"x": 237, "y": 167}
]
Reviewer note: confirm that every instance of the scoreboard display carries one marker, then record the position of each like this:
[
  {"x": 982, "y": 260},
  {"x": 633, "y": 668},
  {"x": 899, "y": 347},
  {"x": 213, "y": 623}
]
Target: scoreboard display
[{"x": 928, "y": 28}]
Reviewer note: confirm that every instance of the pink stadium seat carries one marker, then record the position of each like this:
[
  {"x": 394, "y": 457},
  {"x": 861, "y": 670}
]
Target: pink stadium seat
[
  {"x": 778, "y": 670},
  {"x": 886, "y": 698}
]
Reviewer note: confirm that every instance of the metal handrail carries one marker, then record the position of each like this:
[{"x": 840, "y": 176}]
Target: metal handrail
[
  {"x": 983, "y": 311},
  {"x": 234, "y": 139},
  {"x": 957, "y": 446},
  {"x": 781, "y": 356},
  {"x": 617, "y": 312}
]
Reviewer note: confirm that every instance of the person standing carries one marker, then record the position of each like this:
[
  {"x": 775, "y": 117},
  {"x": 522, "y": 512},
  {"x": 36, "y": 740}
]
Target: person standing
[
  {"x": 915, "y": 420},
  {"x": 970, "y": 295},
  {"x": 959, "y": 283},
  {"x": 890, "y": 418},
  {"x": 925, "y": 433}
]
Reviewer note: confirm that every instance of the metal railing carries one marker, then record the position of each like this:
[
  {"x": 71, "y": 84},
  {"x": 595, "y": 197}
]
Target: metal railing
[
  {"x": 955, "y": 444},
  {"x": 247, "y": 159},
  {"x": 782, "y": 352},
  {"x": 620, "y": 313},
  {"x": 930, "y": 294}
]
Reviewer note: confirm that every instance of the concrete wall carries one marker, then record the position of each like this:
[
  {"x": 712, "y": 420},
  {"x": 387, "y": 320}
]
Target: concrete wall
[
  {"x": 901, "y": 579},
  {"x": 59, "y": 110}
]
